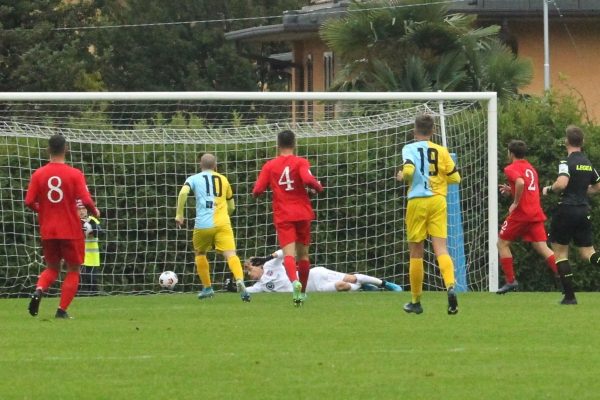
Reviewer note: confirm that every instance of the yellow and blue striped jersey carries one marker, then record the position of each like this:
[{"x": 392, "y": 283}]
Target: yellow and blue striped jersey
[
  {"x": 428, "y": 168},
  {"x": 212, "y": 191}
]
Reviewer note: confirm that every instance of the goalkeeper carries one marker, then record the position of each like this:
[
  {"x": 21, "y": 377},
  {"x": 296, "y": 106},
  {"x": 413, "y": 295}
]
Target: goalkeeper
[
  {"x": 270, "y": 275},
  {"x": 214, "y": 204}
]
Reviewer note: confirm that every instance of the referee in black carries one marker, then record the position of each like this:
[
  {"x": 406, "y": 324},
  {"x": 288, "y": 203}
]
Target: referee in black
[{"x": 571, "y": 221}]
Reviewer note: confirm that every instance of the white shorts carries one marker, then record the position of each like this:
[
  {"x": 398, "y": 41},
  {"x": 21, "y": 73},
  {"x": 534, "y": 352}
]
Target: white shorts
[{"x": 322, "y": 279}]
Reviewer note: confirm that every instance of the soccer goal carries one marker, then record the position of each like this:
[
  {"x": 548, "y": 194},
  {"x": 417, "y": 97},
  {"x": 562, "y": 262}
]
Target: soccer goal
[{"x": 136, "y": 150}]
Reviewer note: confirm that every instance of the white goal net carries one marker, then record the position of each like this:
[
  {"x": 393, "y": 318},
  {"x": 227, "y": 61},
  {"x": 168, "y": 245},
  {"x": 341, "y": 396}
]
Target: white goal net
[{"x": 136, "y": 151}]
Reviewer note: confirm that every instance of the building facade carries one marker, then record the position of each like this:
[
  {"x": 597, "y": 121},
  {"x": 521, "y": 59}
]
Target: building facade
[{"x": 574, "y": 43}]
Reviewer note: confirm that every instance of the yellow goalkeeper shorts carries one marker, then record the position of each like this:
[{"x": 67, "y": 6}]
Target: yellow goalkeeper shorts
[
  {"x": 426, "y": 216},
  {"x": 219, "y": 237}
]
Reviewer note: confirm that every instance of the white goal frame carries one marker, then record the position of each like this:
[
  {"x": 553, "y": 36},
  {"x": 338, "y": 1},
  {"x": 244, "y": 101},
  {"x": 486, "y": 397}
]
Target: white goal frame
[{"x": 489, "y": 97}]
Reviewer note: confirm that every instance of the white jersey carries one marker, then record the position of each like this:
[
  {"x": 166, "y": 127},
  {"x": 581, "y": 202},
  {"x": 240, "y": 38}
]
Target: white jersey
[{"x": 274, "y": 278}]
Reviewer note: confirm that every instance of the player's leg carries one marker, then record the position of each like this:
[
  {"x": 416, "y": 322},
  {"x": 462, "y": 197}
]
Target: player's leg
[
  {"x": 302, "y": 246},
  {"x": 225, "y": 244},
  {"x": 416, "y": 218},
  {"x": 538, "y": 237},
  {"x": 286, "y": 235},
  {"x": 437, "y": 227},
  {"x": 73, "y": 252},
  {"x": 547, "y": 254},
  {"x": 561, "y": 232},
  {"x": 583, "y": 239},
  {"x": 52, "y": 257},
  {"x": 202, "y": 240},
  {"x": 561, "y": 252},
  {"x": 509, "y": 232}
]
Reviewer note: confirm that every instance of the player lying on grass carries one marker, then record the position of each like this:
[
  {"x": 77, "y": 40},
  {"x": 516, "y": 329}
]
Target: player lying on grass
[{"x": 270, "y": 275}]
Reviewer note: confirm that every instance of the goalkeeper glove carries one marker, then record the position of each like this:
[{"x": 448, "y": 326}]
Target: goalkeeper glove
[{"x": 258, "y": 261}]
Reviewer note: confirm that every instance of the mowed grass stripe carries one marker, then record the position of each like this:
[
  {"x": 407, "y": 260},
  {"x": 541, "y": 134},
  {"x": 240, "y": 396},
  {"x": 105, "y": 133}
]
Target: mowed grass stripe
[{"x": 339, "y": 345}]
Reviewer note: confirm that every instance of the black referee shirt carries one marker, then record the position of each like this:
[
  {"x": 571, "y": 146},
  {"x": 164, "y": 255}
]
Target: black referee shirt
[{"x": 581, "y": 174}]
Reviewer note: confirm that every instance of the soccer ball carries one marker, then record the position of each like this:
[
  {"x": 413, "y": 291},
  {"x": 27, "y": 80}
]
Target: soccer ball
[{"x": 168, "y": 279}]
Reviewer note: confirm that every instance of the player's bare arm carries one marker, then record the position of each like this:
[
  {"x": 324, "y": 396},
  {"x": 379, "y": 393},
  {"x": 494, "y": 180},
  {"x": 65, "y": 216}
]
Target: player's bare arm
[
  {"x": 558, "y": 186},
  {"x": 593, "y": 189},
  {"x": 505, "y": 189},
  {"x": 262, "y": 182}
]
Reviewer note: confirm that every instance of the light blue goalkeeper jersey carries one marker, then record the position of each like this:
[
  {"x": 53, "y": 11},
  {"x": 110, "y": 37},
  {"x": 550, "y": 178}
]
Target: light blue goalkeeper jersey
[
  {"x": 433, "y": 169},
  {"x": 211, "y": 190}
]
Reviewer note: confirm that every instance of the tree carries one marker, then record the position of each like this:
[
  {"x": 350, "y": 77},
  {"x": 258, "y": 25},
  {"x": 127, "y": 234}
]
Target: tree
[
  {"x": 34, "y": 56},
  {"x": 421, "y": 48}
]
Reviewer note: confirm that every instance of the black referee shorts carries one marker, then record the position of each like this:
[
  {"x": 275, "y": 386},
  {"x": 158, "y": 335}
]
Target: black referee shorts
[{"x": 571, "y": 223}]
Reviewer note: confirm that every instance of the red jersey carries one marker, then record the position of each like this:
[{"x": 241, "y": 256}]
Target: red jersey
[
  {"x": 53, "y": 192},
  {"x": 287, "y": 176},
  {"x": 529, "y": 208}
]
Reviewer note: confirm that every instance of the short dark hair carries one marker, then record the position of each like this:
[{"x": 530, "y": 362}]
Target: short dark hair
[
  {"x": 424, "y": 124},
  {"x": 574, "y": 136},
  {"x": 518, "y": 148},
  {"x": 57, "y": 144},
  {"x": 286, "y": 139}
]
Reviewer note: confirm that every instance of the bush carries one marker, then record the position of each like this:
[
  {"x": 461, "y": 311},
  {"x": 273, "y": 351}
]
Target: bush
[{"x": 541, "y": 123}]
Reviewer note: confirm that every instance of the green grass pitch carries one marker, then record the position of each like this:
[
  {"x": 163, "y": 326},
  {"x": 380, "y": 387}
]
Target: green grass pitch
[{"x": 338, "y": 346}]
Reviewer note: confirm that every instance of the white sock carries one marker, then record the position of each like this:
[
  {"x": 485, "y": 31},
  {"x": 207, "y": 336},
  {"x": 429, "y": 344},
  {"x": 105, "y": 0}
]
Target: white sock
[
  {"x": 240, "y": 285},
  {"x": 361, "y": 279}
]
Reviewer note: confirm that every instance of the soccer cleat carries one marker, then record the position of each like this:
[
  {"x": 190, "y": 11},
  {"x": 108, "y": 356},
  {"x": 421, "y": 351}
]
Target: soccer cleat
[
  {"x": 241, "y": 288},
  {"x": 568, "y": 302},
  {"x": 62, "y": 314},
  {"x": 297, "y": 294},
  {"x": 413, "y": 308},
  {"x": 452, "y": 302},
  {"x": 245, "y": 296},
  {"x": 508, "y": 287},
  {"x": 206, "y": 293},
  {"x": 34, "y": 303},
  {"x": 392, "y": 286},
  {"x": 369, "y": 287}
]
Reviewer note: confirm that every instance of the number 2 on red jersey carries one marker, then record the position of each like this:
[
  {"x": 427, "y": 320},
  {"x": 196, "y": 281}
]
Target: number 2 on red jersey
[{"x": 284, "y": 179}]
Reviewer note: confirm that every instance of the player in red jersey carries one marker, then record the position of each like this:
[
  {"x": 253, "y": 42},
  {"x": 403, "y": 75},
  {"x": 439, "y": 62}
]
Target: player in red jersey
[
  {"x": 525, "y": 216},
  {"x": 53, "y": 193},
  {"x": 287, "y": 176}
]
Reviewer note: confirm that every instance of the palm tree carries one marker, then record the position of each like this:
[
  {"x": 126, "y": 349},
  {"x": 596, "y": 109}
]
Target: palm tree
[{"x": 420, "y": 48}]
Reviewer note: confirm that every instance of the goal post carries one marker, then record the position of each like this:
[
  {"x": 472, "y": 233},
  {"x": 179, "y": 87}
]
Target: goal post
[{"x": 137, "y": 148}]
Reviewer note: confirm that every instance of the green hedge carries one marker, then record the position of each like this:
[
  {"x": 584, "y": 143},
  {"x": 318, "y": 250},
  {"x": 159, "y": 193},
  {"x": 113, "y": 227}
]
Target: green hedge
[{"x": 541, "y": 124}]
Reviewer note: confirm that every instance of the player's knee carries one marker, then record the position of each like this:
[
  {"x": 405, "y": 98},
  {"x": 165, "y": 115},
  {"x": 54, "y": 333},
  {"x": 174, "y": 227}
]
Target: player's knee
[
  {"x": 342, "y": 286},
  {"x": 350, "y": 278}
]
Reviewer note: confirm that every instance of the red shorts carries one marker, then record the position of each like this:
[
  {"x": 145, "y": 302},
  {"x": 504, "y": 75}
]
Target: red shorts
[
  {"x": 70, "y": 250},
  {"x": 527, "y": 231},
  {"x": 295, "y": 231}
]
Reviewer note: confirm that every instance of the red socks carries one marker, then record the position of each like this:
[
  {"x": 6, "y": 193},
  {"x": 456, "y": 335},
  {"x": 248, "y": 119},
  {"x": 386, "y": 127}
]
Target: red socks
[
  {"x": 46, "y": 279},
  {"x": 289, "y": 263},
  {"x": 551, "y": 261},
  {"x": 303, "y": 271},
  {"x": 69, "y": 289},
  {"x": 507, "y": 267}
]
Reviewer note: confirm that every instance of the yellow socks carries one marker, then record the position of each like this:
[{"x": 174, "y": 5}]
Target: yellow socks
[
  {"x": 203, "y": 272},
  {"x": 235, "y": 266},
  {"x": 416, "y": 278},
  {"x": 447, "y": 269}
]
